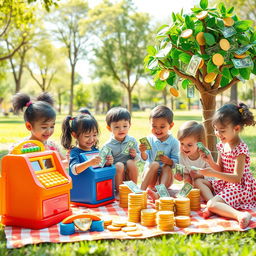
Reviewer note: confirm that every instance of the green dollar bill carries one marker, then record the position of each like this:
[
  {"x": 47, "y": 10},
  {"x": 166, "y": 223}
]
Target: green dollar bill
[
  {"x": 194, "y": 168},
  {"x": 104, "y": 152},
  {"x": 228, "y": 32},
  {"x": 243, "y": 63},
  {"x": 201, "y": 146},
  {"x": 158, "y": 154},
  {"x": 146, "y": 142},
  {"x": 162, "y": 190},
  {"x": 242, "y": 50},
  {"x": 132, "y": 186},
  {"x": 126, "y": 149},
  {"x": 185, "y": 190},
  {"x": 179, "y": 169},
  {"x": 193, "y": 65}
]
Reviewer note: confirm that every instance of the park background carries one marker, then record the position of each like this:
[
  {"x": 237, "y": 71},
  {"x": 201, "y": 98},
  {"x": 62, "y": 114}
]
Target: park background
[{"x": 39, "y": 53}]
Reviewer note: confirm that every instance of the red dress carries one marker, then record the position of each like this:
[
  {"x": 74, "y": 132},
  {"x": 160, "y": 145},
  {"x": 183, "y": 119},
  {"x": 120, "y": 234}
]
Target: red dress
[{"x": 238, "y": 195}]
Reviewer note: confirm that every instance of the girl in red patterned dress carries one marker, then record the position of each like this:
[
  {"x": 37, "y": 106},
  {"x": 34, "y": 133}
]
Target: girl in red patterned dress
[{"x": 235, "y": 186}]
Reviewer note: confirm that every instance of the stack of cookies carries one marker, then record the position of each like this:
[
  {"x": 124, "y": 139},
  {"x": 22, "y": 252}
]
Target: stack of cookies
[
  {"x": 135, "y": 205},
  {"x": 166, "y": 204},
  {"x": 148, "y": 217},
  {"x": 194, "y": 196},
  {"x": 182, "y": 221},
  {"x": 165, "y": 220},
  {"x": 123, "y": 192},
  {"x": 182, "y": 206}
]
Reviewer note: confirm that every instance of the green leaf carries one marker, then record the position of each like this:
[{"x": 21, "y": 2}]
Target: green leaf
[
  {"x": 226, "y": 73},
  {"x": 173, "y": 17},
  {"x": 234, "y": 72},
  {"x": 196, "y": 10},
  {"x": 153, "y": 64},
  {"x": 209, "y": 39},
  {"x": 205, "y": 56},
  {"x": 160, "y": 85},
  {"x": 189, "y": 22},
  {"x": 245, "y": 73},
  {"x": 253, "y": 37},
  {"x": 151, "y": 50},
  {"x": 165, "y": 51},
  {"x": 224, "y": 81},
  {"x": 175, "y": 53},
  {"x": 185, "y": 83},
  {"x": 243, "y": 25},
  {"x": 254, "y": 69},
  {"x": 211, "y": 67},
  {"x": 185, "y": 58},
  {"x": 222, "y": 9},
  {"x": 170, "y": 80},
  {"x": 163, "y": 30},
  {"x": 230, "y": 10},
  {"x": 220, "y": 23},
  {"x": 204, "y": 4}
]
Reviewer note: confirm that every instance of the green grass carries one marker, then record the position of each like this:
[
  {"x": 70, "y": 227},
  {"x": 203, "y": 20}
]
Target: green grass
[{"x": 226, "y": 243}]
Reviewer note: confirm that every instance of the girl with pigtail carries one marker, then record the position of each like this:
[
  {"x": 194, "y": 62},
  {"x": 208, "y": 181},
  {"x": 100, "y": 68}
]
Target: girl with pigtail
[
  {"x": 85, "y": 130},
  {"x": 235, "y": 187},
  {"x": 39, "y": 117}
]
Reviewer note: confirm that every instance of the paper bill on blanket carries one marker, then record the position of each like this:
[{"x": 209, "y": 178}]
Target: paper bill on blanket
[
  {"x": 132, "y": 186},
  {"x": 185, "y": 190},
  {"x": 162, "y": 190}
]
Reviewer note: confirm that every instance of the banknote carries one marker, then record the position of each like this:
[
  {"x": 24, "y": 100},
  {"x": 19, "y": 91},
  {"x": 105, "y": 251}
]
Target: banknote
[
  {"x": 158, "y": 154},
  {"x": 228, "y": 32},
  {"x": 242, "y": 50},
  {"x": 243, "y": 63},
  {"x": 132, "y": 186},
  {"x": 193, "y": 65},
  {"x": 190, "y": 91},
  {"x": 104, "y": 152},
  {"x": 201, "y": 146},
  {"x": 179, "y": 169},
  {"x": 240, "y": 78},
  {"x": 194, "y": 168},
  {"x": 185, "y": 190},
  {"x": 213, "y": 49},
  {"x": 146, "y": 142},
  {"x": 162, "y": 190},
  {"x": 126, "y": 149}
]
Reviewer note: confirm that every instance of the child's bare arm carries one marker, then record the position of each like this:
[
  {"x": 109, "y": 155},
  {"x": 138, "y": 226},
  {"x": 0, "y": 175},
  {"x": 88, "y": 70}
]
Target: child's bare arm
[
  {"x": 143, "y": 154},
  {"x": 83, "y": 166}
]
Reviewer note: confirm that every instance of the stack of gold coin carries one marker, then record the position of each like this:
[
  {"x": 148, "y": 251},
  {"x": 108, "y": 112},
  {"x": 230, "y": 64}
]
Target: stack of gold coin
[
  {"x": 182, "y": 221},
  {"x": 135, "y": 205},
  {"x": 145, "y": 201},
  {"x": 107, "y": 220},
  {"x": 165, "y": 220},
  {"x": 166, "y": 204},
  {"x": 119, "y": 222},
  {"x": 123, "y": 192},
  {"x": 194, "y": 196},
  {"x": 157, "y": 203},
  {"x": 148, "y": 217},
  {"x": 182, "y": 206}
]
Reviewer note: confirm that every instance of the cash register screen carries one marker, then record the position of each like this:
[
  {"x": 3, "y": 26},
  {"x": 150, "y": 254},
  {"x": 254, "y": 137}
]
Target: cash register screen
[
  {"x": 48, "y": 163},
  {"x": 36, "y": 165}
]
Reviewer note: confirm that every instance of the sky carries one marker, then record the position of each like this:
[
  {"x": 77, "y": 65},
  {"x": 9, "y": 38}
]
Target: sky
[{"x": 160, "y": 11}]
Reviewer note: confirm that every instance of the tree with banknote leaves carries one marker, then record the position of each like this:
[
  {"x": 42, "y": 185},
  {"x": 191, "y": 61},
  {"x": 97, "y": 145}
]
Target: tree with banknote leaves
[{"x": 209, "y": 49}]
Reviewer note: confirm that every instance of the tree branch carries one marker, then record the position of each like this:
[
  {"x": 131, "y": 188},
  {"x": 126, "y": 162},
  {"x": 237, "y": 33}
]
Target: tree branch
[
  {"x": 234, "y": 81},
  {"x": 8, "y": 23},
  {"x": 178, "y": 48},
  {"x": 14, "y": 51}
]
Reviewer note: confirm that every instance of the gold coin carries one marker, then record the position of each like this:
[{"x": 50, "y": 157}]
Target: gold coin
[
  {"x": 224, "y": 44},
  {"x": 228, "y": 21},
  {"x": 200, "y": 38},
  {"x": 240, "y": 56},
  {"x": 217, "y": 59},
  {"x": 113, "y": 228},
  {"x": 186, "y": 33},
  {"x": 210, "y": 77},
  {"x": 201, "y": 64},
  {"x": 131, "y": 224},
  {"x": 174, "y": 92},
  {"x": 129, "y": 229},
  {"x": 164, "y": 74},
  {"x": 202, "y": 15},
  {"x": 134, "y": 233}
]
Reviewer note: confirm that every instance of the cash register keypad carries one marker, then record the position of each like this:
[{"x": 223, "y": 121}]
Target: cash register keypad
[{"x": 52, "y": 179}]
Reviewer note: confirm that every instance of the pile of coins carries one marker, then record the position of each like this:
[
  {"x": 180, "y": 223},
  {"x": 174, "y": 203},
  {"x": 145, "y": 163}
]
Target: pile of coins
[
  {"x": 157, "y": 204},
  {"x": 166, "y": 204},
  {"x": 194, "y": 196},
  {"x": 182, "y": 221},
  {"x": 123, "y": 192},
  {"x": 148, "y": 217},
  {"x": 165, "y": 220},
  {"x": 182, "y": 206},
  {"x": 135, "y": 205},
  {"x": 145, "y": 199}
]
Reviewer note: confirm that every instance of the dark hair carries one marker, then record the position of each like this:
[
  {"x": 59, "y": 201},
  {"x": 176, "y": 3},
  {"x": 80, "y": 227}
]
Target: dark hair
[
  {"x": 162, "y": 112},
  {"x": 192, "y": 128},
  {"x": 235, "y": 114},
  {"x": 79, "y": 125},
  {"x": 116, "y": 114},
  {"x": 41, "y": 109},
  {"x": 84, "y": 111}
]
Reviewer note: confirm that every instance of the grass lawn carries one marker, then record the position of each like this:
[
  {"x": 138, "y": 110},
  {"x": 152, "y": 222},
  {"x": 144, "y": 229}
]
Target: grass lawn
[{"x": 12, "y": 129}]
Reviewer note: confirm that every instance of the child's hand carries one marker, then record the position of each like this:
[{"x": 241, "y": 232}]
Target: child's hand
[
  {"x": 110, "y": 160},
  {"x": 178, "y": 176},
  {"x": 132, "y": 152},
  {"x": 195, "y": 174},
  {"x": 95, "y": 161},
  {"x": 205, "y": 172},
  {"x": 142, "y": 148},
  {"x": 166, "y": 160},
  {"x": 207, "y": 158}
]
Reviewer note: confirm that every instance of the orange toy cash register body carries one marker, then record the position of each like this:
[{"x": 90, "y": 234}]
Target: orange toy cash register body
[{"x": 34, "y": 187}]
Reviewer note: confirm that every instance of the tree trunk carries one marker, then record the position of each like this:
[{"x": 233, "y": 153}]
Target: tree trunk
[
  {"x": 72, "y": 90},
  {"x": 233, "y": 94},
  {"x": 253, "y": 94},
  {"x": 164, "y": 93},
  {"x": 129, "y": 100},
  {"x": 209, "y": 107},
  {"x": 59, "y": 99}
]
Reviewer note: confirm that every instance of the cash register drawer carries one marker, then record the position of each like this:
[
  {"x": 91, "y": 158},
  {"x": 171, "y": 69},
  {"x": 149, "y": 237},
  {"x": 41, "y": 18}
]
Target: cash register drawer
[{"x": 55, "y": 205}]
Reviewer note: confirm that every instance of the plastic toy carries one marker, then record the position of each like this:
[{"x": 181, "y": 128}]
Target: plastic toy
[
  {"x": 94, "y": 186},
  {"x": 34, "y": 187}
]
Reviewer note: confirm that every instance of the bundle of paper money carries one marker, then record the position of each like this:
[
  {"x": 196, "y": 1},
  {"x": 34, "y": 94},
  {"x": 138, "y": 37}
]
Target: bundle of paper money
[
  {"x": 126, "y": 150},
  {"x": 145, "y": 141},
  {"x": 104, "y": 152}
]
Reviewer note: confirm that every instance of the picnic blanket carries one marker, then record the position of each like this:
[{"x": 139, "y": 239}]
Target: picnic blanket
[{"x": 18, "y": 237}]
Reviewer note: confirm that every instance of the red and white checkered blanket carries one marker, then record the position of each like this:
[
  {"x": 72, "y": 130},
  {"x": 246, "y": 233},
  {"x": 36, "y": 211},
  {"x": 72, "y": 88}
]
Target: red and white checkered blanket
[{"x": 18, "y": 237}]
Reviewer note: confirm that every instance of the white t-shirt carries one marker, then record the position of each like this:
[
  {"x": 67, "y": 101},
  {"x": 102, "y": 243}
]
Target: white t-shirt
[{"x": 199, "y": 162}]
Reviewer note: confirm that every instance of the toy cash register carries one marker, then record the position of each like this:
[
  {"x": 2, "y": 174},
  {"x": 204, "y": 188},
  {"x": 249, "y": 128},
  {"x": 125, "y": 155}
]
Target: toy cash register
[
  {"x": 94, "y": 186},
  {"x": 34, "y": 191}
]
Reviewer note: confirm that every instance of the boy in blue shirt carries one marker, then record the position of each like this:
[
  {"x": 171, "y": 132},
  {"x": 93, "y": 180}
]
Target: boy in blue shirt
[
  {"x": 124, "y": 148},
  {"x": 161, "y": 159}
]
